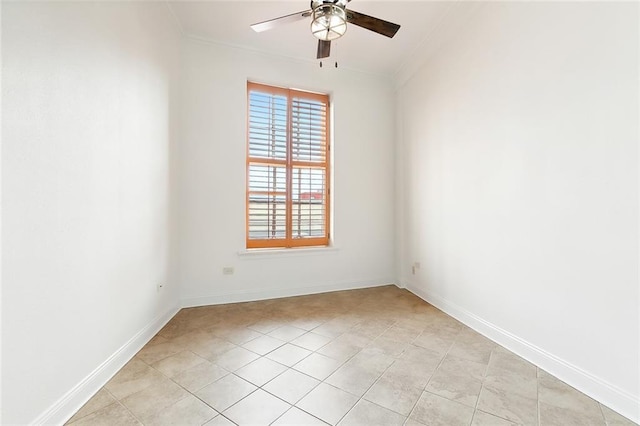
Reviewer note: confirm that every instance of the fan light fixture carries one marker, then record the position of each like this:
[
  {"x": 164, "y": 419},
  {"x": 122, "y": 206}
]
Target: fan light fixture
[{"x": 329, "y": 20}]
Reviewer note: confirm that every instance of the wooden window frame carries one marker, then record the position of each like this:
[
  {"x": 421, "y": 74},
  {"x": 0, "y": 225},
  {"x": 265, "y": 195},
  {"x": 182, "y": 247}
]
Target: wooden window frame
[{"x": 289, "y": 163}]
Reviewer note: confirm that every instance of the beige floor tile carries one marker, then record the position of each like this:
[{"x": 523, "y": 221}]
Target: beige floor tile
[
  {"x": 305, "y": 323},
  {"x": 503, "y": 359},
  {"x": 412, "y": 373},
  {"x": 100, "y": 400},
  {"x": 484, "y": 419},
  {"x": 239, "y": 336},
  {"x": 156, "y": 339},
  {"x": 220, "y": 421},
  {"x": 297, "y": 417},
  {"x": 186, "y": 412},
  {"x": 318, "y": 366},
  {"x": 153, "y": 353},
  {"x": 353, "y": 379},
  {"x": 417, "y": 324},
  {"x": 327, "y": 403},
  {"x": 434, "y": 342},
  {"x": 132, "y": 378},
  {"x": 259, "y": 408},
  {"x": 339, "y": 350},
  {"x": 311, "y": 341},
  {"x": 153, "y": 399},
  {"x": 434, "y": 410},
  {"x": 372, "y": 359},
  {"x": 453, "y": 364},
  {"x": 358, "y": 374},
  {"x": 291, "y": 386},
  {"x": 370, "y": 414},
  {"x": 113, "y": 414},
  {"x": 235, "y": 358},
  {"x": 176, "y": 364},
  {"x": 396, "y": 395},
  {"x": 225, "y": 392},
  {"x": 507, "y": 404},
  {"x": 373, "y": 328},
  {"x": 211, "y": 348},
  {"x": 556, "y": 393},
  {"x": 195, "y": 378},
  {"x": 287, "y": 333},
  {"x": 512, "y": 384},
  {"x": 263, "y": 345},
  {"x": 194, "y": 337},
  {"x": 176, "y": 327},
  {"x": 417, "y": 354},
  {"x": 475, "y": 349},
  {"x": 458, "y": 379},
  {"x": 388, "y": 345},
  {"x": 289, "y": 354},
  {"x": 331, "y": 329},
  {"x": 456, "y": 387},
  {"x": 412, "y": 422},
  {"x": 401, "y": 334},
  {"x": 615, "y": 419},
  {"x": 355, "y": 338},
  {"x": 260, "y": 371},
  {"x": 265, "y": 325},
  {"x": 552, "y": 415},
  {"x": 467, "y": 334}
]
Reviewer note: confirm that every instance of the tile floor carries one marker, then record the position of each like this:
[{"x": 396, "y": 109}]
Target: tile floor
[{"x": 366, "y": 357}]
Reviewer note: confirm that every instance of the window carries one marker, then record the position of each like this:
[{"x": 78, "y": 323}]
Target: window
[{"x": 287, "y": 167}]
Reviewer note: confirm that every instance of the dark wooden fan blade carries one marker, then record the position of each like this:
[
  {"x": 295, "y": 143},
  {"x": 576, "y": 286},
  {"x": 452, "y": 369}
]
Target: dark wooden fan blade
[
  {"x": 379, "y": 26},
  {"x": 324, "y": 49},
  {"x": 287, "y": 19}
]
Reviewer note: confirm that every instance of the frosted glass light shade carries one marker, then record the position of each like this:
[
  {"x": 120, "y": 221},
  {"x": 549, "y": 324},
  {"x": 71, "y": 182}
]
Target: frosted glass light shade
[{"x": 329, "y": 22}]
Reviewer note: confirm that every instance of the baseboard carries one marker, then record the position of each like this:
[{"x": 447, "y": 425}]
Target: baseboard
[
  {"x": 250, "y": 296},
  {"x": 73, "y": 400},
  {"x": 598, "y": 389}
]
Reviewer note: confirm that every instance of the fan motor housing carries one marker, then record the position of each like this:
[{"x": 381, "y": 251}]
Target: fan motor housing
[{"x": 340, "y": 3}]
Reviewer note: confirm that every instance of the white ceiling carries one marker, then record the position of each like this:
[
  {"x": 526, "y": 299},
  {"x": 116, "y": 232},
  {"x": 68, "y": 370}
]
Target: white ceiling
[{"x": 228, "y": 22}]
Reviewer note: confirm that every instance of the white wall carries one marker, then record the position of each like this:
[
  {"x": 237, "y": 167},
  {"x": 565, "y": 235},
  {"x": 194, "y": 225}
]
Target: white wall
[
  {"x": 212, "y": 179},
  {"x": 85, "y": 195},
  {"x": 520, "y": 186}
]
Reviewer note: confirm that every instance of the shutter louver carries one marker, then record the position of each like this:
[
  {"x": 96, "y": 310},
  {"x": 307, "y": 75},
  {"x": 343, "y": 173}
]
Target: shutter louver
[{"x": 287, "y": 168}]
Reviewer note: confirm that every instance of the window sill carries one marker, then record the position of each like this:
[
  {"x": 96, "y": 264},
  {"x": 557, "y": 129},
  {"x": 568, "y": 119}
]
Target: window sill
[{"x": 286, "y": 252}]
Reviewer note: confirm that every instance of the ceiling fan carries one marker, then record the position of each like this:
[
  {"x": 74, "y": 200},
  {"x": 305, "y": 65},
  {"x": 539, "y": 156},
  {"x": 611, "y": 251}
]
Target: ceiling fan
[{"x": 329, "y": 21}]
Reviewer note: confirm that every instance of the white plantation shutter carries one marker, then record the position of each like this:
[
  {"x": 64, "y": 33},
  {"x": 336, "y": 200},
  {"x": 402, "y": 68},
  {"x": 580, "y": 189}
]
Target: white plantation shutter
[{"x": 287, "y": 167}]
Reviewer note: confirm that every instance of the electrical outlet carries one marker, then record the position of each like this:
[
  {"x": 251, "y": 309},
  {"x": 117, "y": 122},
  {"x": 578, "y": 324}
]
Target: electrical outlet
[{"x": 227, "y": 270}]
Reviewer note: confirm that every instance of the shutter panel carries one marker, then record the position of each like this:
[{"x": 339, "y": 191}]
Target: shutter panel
[
  {"x": 267, "y": 202},
  {"x": 308, "y": 134},
  {"x": 267, "y": 126},
  {"x": 308, "y": 157}
]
